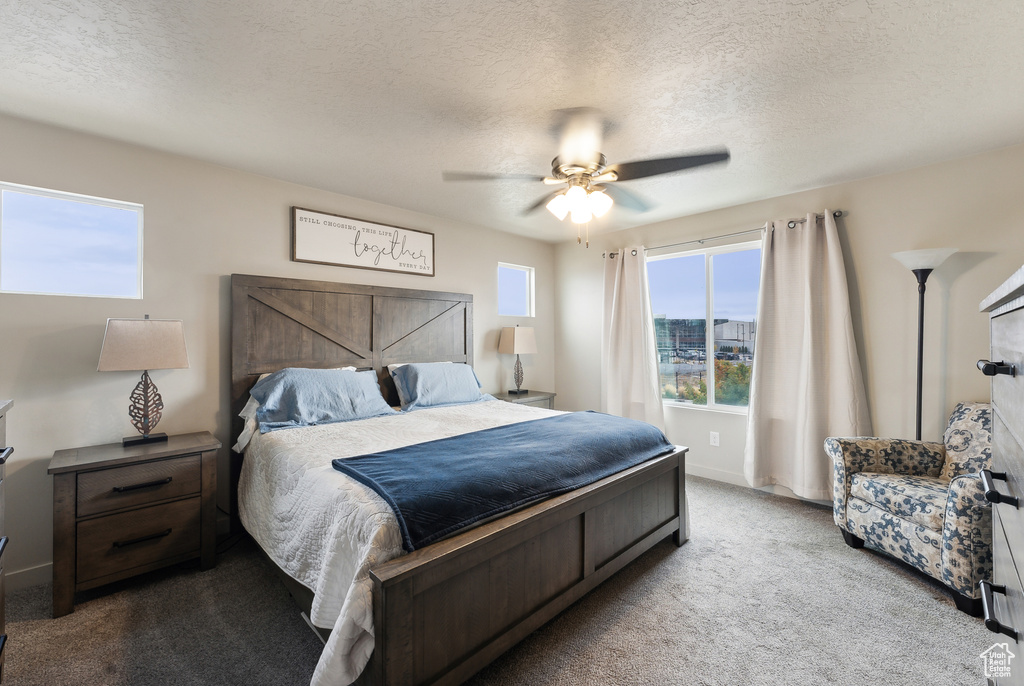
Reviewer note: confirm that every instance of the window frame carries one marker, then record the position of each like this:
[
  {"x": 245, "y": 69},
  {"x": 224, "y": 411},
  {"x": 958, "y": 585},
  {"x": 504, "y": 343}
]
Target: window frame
[
  {"x": 86, "y": 199},
  {"x": 530, "y": 287},
  {"x": 709, "y": 319}
]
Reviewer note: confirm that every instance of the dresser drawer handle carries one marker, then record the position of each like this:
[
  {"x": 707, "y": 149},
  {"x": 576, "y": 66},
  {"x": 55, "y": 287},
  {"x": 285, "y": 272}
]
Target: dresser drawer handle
[
  {"x": 3, "y": 545},
  {"x": 992, "y": 368},
  {"x": 122, "y": 544},
  {"x": 148, "y": 484},
  {"x": 8, "y": 451},
  {"x": 991, "y": 494},
  {"x": 988, "y": 609}
]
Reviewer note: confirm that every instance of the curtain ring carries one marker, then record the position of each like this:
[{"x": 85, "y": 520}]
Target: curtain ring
[
  {"x": 634, "y": 253},
  {"x": 792, "y": 224}
]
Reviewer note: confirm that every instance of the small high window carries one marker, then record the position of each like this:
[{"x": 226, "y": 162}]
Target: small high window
[
  {"x": 515, "y": 290},
  {"x": 58, "y": 243}
]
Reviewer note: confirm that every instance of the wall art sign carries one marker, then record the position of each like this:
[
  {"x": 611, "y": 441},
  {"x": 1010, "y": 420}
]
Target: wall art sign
[{"x": 324, "y": 238}]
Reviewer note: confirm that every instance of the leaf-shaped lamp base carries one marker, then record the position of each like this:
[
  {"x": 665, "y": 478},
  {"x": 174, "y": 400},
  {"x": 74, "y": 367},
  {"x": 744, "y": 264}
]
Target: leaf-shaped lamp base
[{"x": 145, "y": 412}]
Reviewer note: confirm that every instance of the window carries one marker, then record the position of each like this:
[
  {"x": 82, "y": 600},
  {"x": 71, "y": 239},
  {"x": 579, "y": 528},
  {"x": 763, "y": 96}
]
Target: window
[
  {"x": 65, "y": 244},
  {"x": 515, "y": 290},
  {"x": 705, "y": 322}
]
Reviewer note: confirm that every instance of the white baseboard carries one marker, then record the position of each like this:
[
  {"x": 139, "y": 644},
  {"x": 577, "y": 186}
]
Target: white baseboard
[
  {"x": 716, "y": 474},
  {"x": 26, "y": 578},
  {"x": 738, "y": 480}
]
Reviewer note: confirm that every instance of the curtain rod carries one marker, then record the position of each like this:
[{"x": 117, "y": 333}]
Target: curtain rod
[{"x": 792, "y": 224}]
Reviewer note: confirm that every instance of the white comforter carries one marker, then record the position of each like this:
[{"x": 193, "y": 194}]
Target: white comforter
[{"x": 327, "y": 530}]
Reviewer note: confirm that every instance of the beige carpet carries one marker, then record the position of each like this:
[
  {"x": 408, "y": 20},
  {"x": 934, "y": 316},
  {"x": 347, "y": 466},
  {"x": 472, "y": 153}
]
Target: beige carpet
[{"x": 765, "y": 592}]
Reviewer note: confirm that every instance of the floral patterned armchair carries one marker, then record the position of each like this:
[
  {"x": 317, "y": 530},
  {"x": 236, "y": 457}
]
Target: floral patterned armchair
[{"x": 922, "y": 502}]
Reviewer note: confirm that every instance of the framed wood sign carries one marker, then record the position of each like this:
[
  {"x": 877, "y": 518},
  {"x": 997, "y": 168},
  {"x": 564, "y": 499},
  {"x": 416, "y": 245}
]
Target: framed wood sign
[{"x": 324, "y": 238}]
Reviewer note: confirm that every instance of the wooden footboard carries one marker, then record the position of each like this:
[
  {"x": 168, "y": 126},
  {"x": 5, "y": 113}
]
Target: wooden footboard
[{"x": 444, "y": 612}]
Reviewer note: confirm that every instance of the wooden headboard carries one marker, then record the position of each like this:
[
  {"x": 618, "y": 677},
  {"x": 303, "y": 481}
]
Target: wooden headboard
[{"x": 278, "y": 323}]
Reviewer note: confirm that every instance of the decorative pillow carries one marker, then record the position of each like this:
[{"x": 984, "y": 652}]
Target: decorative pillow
[
  {"x": 968, "y": 440},
  {"x": 437, "y": 383},
  {"x": 296, "y": 397}
]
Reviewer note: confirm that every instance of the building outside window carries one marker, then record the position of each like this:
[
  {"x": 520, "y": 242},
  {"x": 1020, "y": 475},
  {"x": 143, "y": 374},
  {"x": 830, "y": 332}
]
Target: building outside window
[
  {"x": 705, "y": 321},
  {"x": 55, "y": 243}
]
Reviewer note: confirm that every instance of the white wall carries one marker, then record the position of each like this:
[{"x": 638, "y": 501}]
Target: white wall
[
  {"x": 202, "y": 223},
  {"x": 973, "y": 204}
]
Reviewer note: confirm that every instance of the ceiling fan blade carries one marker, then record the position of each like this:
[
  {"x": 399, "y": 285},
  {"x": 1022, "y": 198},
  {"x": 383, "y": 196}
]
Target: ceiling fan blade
[
  {"x": 625, "y": 198},
  {"x": 541, "y": 203},
  {"x": 641, "y": 168},
  {"x": 483, "y": 176}
]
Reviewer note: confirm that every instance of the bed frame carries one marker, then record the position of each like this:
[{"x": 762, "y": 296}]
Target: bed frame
[{"x": 444, "y": 612}]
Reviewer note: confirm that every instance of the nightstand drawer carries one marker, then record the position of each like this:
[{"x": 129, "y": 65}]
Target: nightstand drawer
[
  {"x": 138, "y": 484},
  {"x": 120, "y": 542},
  {"x": 539, "y": 402}
]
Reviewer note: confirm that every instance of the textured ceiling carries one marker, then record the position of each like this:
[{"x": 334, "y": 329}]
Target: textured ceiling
[{"x": 374, "y": 99}]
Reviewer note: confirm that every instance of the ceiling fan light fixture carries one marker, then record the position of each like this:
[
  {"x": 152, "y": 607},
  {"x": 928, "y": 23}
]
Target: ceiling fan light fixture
[
  {"x": 577, "y": 197},
  {"x": 558, "y": 206},
  {"x": 599, "y": 202},
  {"x": 582, "y": 216}
]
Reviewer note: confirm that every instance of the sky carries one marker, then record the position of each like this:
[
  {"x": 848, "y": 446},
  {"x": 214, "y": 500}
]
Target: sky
[
  {"x": 513, "y": 292},
  {"x": 69, "y": 247},
  {"x": 678, "y": 285}
]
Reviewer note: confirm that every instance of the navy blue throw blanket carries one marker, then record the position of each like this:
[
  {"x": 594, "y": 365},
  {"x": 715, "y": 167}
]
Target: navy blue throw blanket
[{"x": 438, "y": 487}]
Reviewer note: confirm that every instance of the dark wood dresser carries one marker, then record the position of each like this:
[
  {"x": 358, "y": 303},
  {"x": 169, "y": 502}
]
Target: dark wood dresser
[
  {"x": 5, "y": 452},
  {"x": 1003, "y": 597},
  {"x": 119, "y": 511}
]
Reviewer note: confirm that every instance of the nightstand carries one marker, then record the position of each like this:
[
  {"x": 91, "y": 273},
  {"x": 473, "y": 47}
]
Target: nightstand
[
  {"x": 535, "y": 398},
  {"x": 118, "y": 511}
]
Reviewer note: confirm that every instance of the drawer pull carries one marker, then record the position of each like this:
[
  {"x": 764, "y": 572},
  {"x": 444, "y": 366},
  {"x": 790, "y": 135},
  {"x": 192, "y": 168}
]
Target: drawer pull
[
  {"x": 8, "y": 451},
  {"x": 988, "y": 609},
  {"x": 122, "y": 544},
  {"x": 3, "y": 545},
  {"x": 991, "y": 494},
  {"x": 992, "y": 368},
  {"x": 148, "y": 484}
]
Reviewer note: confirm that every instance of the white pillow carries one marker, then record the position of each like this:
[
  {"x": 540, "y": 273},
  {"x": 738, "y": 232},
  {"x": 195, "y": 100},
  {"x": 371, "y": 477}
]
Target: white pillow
[{"x": 248, "y": 415}]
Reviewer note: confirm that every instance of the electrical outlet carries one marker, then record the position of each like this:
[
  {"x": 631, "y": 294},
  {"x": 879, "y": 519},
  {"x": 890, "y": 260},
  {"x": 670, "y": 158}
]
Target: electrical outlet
[{"x": 714, "y": 438}]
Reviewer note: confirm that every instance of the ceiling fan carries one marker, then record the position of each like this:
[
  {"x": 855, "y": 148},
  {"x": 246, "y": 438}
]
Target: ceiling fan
[{"x": 586, "y": 178}]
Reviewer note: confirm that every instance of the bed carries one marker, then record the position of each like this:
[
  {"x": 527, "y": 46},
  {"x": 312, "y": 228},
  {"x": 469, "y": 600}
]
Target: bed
[{"x": 442, "y": 612}]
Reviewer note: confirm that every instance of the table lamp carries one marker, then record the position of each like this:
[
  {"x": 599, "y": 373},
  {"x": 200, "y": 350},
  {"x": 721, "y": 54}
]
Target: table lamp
[
  {"x": 517, "y": 340},
  {"x": 131, "y": 345}
]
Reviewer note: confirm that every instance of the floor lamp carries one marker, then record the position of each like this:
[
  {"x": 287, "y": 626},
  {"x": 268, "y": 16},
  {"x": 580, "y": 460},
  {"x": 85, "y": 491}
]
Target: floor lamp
[{"x": 921, "y": 262}]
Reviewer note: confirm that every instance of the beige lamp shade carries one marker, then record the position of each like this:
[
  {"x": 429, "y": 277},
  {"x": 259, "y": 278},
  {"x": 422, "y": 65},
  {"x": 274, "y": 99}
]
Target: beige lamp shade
[
  {"x": 517, "y": 340},
  {"x": 929, "y": 258},
  {"x": 141, "y": 344}
]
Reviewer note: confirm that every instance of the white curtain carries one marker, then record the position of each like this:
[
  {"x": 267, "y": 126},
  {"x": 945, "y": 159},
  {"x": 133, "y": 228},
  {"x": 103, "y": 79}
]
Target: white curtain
[
  {"x": 630, "y": 386},
  {"x": 806, "y": 383}
]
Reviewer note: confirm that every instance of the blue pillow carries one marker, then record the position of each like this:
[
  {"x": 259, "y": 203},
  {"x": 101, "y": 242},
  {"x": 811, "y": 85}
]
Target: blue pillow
[
  {"x": 437, "y": 383},
  {"x": 296, "y": 397}
]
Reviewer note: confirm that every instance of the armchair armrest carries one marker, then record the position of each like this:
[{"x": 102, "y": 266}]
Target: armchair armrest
[
  {"x": 883, "y": 455},
  {"x": 966, "y": 536}
]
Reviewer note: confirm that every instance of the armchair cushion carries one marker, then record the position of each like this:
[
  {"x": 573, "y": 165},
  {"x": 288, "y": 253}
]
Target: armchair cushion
[
  {"x": 882, "y": 455},
  {"x": 968, "y": 440},
  {"x": 920, "y": 499}
]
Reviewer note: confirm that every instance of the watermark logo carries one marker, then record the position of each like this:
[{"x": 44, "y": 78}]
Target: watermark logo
[{"x": 997, "y": 661}]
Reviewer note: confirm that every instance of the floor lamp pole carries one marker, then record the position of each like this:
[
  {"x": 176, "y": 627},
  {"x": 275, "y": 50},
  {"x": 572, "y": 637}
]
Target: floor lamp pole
[
  {"x": 921, "y": 262},
  {"x": 922, "y": 276}
]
